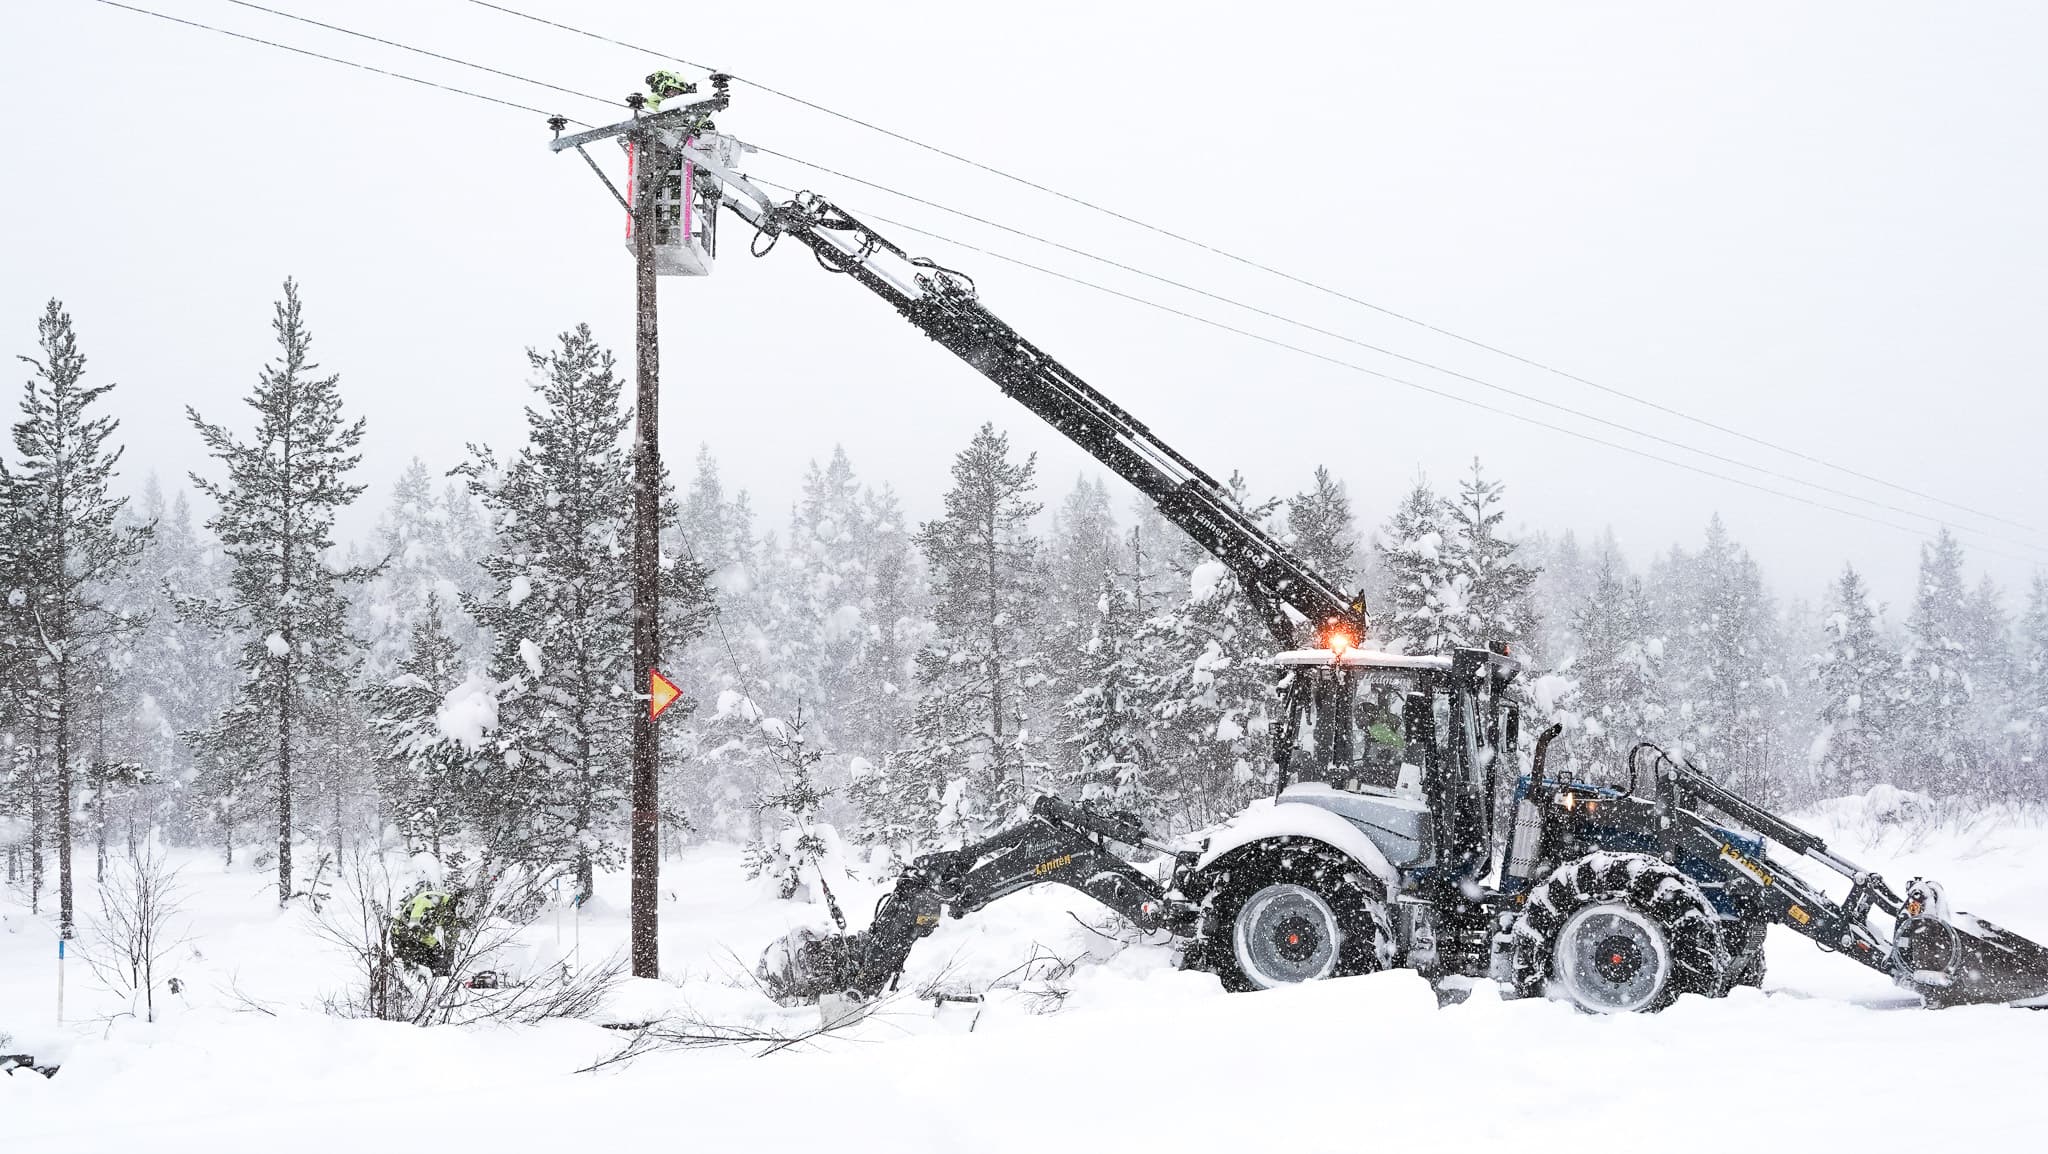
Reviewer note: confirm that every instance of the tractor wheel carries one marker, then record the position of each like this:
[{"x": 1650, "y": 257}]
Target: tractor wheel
[
  {"x": 1294, "y": 910},
  {"x": 1619, "y": 932}
]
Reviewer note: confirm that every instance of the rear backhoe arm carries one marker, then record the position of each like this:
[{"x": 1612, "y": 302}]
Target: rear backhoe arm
[{"x": 1058, "y": 843}]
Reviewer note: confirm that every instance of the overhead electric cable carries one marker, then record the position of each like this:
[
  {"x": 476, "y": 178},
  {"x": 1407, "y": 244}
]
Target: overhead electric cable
[
  {"x": 323, "y": 56},
  {"x": 1389, "y": 377},
  {"x": 1136, "y": 271},
  {"x": 424, "y": 52},
  {"x": 1283, "y": 318},
  {"x": 1304, "y": 282}
]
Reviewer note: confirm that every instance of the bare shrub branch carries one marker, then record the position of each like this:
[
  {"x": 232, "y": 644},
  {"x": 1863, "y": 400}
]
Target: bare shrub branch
[{"x": 134, "y": 933}]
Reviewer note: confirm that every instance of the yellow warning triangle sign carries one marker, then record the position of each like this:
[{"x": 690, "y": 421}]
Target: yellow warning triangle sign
[{"x": 661, "y": 693}]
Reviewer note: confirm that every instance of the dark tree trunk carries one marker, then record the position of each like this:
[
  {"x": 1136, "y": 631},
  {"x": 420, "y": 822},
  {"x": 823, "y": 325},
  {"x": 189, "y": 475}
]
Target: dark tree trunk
[{"x": 65, "y": 927}]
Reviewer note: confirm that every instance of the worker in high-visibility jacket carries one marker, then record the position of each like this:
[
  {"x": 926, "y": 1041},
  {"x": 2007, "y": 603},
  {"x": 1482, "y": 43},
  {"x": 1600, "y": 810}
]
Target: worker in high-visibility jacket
[
  {"x": 423, "y": 930},
  {"x": 664, "y": 84}
]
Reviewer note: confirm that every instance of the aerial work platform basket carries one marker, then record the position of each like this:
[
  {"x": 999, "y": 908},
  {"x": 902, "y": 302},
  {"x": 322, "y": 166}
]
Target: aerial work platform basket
[{"x": 685, "y": 213}]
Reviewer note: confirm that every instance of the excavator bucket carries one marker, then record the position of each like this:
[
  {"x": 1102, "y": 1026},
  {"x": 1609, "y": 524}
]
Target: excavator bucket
[
  {"x": 804, "y": 965},
  {"x": 1958, "y": 959}
]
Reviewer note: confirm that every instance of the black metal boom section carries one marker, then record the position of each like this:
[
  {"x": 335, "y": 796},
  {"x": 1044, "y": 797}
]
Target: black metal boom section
[
  {"x": 1058, "y": 843},
  {"x": 943, "y": 304}
]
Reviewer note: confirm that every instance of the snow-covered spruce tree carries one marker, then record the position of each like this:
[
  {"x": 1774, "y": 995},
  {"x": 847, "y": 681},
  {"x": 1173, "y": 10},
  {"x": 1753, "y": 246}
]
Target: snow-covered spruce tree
[
  {"x": 1321, "y": 532},
  {"x": 172, "y": 674},
  {"x": 1107, "y": 721},
  {"x": 1493, "y": 599},
  {"x": 1935, "y": 700},
  {"x": 1082, "y": 560},
  {"x": 70, "y": 546},
  {"x": 727, "y": 759},
  {"x": 2030, "y": 692},
  {"x": 886, "y": 672},
  {"x": 275, "y": 522},
  {"x": 1617, "y": 667},
  {"x": 551, "y": 775},
  {"x": 418, "y": 778},
  {"x": 1568, "y": 569},
  {"x": 425, "y": 544},
  {"x": 797, "y": 852},
  {"x": 1855, "y": 673},
  {"x": 971, "y": 761},
  {"x": 1211, "y": 694},
  {"x": 1724, "y": 679},
  {"x": 547, "y": 733},
  {"x": 838, "y": 594},
  {"x": 1994, "y": 717},
  {"x": 1415, "y": 555},
  {"x": 230, "y": 782}
]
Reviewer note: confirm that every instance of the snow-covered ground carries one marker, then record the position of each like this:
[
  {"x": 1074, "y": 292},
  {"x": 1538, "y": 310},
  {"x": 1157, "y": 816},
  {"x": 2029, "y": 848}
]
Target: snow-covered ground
[{"x": 1118, "y": 1051}]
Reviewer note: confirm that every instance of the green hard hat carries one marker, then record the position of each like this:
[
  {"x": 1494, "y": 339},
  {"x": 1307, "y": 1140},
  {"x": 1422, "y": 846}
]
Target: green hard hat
[{"x": 665, "y": 84}]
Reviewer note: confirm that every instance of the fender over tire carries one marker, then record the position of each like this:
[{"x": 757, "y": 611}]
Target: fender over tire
[
  {"x": 1271, "y": 891},
  {"x": 1654, "y": 932}
]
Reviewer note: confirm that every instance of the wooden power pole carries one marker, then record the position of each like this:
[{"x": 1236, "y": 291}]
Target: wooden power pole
[
  {"x": 648, "y": 134},
  {"x": 649, "y": 169}
]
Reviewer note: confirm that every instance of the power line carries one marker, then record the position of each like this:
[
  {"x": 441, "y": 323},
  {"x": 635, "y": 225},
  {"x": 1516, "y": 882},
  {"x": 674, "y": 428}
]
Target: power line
[
  {"x": 424, "y": 52},
  {"x": 1402, "y": 381},
  {"x": 1670, "y": 442},
  {"x": 324, "y": 56},
  {"x": 1304, "y": 282},
  {"x": 1581, "y": 414},
  {"x": 624, "y": 44},
  {"x": 1101, "y": 288}
]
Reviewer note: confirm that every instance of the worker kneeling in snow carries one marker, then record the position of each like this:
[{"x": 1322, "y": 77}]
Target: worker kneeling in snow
[{"x": 424, "y": 928}]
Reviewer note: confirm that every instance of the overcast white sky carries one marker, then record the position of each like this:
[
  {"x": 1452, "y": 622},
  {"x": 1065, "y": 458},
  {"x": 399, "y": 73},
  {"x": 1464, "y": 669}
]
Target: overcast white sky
[{"x": 1819, "y": 223}]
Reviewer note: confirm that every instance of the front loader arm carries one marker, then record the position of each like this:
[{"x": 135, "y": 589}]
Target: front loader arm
[{"x": 1058, "y": 843}]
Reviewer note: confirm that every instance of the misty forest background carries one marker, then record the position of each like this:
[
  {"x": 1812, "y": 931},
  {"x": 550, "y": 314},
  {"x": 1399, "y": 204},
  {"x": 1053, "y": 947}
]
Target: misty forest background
[{"x": 205, "y": 662}]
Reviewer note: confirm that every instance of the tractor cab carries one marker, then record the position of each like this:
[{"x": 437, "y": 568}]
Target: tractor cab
[{"x": 1410, "y": 748}]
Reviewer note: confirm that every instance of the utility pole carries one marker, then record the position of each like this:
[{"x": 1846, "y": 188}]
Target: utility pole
[
  {"x": 649, "y": 170},
  {"x": 649, "y": 135}
]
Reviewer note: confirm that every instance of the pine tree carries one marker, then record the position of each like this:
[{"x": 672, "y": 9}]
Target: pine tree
[
  {"x": 1566, "y": 577},
  {"x": 1935, "y": 697},
  {"x": 1211, "y": 694},
  {"x": 796, "y": 850},
  {"x": 1107, "y": 718},
  {"x": 1725, "y": 680},
  {"x": 71, "y": 545},
  {"x": 558, "y": 616},
  {"x": 1617, "y": 667},
  {"x": 182, "y": 670},
  {"x": 2031, "y": 692},
  {"x": 421, "y": 550},
  {"x": 1855, "y": 674},
  {"x": 1415, "y": 551},
  {"x": 275, "y": 523},
  {"x": 1492, "y": 600},
  {"x": 418, "y": 778},
  {"x": 838, "y": 596},
  {"x": 1321, "y": 533},
  {"x": 1084, "y": 555},
  {"x": 734, "y": 661},
  {"x": 972, "y": 760}
]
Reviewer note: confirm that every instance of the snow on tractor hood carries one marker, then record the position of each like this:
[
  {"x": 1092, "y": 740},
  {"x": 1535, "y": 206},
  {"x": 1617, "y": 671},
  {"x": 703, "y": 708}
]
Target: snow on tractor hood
[
  {"x": 1265, "y": 820},
  {"x": 1362, "y": 659}
]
